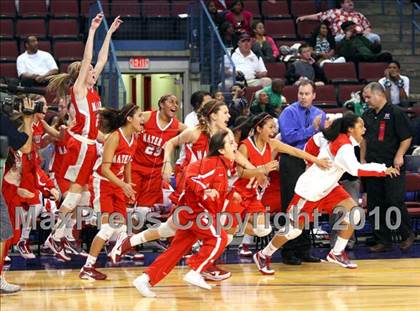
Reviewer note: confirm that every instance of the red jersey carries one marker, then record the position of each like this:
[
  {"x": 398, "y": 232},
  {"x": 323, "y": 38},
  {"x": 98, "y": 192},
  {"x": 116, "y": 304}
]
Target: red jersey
[
  {"x": 60, "y": 151},
  {"x": 84, "y": 111},
  {"x": 149, "y": 152},
  {"x": 196, "y": 151},
  {"x": 122, "y": 156},
  {"x": 247, "y": 188},
  {"x": 37, "y": 133},
  {"x": 208, "y": 173}
]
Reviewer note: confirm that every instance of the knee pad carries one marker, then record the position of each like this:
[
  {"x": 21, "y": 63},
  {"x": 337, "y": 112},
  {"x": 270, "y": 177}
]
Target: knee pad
[
  {"x": 292, "y": 232},
  {"x": 85, "y": 199},
  {"x": 71, "y": 200},
  {"x": 106, "y": 232},
  {"x": 262, "y": 230},
  {"x": 165, "y": 230},
  {"x": 355, "y": 214}
]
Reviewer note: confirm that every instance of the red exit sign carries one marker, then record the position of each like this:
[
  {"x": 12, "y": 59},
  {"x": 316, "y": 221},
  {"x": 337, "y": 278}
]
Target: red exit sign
[{"x": 139, "y": 63}]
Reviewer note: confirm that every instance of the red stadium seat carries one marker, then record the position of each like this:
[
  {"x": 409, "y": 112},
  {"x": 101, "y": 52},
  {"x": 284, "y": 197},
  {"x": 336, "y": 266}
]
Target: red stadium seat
[
  {"x": 155, "y": 8},
  {"x": 8, "y": 50},
  {"x": 340, "y": 73},
  {"x": 253, "y": 7},
  {"x": 84, "y": 7},
  {"x": 279, "y": 9},
  {"x": 7, "y": 8},
  {"x": 64, "y": 65},
  {"x": 64, "y": 28},
  {"x": 6, "y": 29},
  {"x": 290, "y": 92},
  {"x": 180, "y": 7},
  {"x": 33, "y": 8},
  {"x": 31, "y": 27},
  {"x": 250, "y": 92},
  {"x": 8, "y": 70},
  {"x": 276, "y": 70},
  {"x": 326, "y": 96},
  {"x": 306, "y": 28},
  {"x": 369, "y": 72},
  {"x": 126, "y": 8},
  {"x": 64, "y": 8},
  {"x": 344, "y": 91},
  {"x": 300, "y": 8},
  {"x": 280, "y": 29},
  {"x": 68, "y": 50}
]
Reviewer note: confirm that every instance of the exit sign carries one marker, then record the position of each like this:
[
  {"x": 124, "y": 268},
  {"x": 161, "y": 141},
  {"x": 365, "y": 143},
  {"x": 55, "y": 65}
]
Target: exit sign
[{"x": 139, "y": 63}]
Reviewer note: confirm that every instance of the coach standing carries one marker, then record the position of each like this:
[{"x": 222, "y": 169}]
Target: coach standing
[
  {"x": 297, "y": 123},
  {"x": 388, "y": 137}
]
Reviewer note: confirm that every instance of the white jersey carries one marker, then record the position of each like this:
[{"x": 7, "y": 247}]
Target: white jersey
[{"x": 315, "y": 184}]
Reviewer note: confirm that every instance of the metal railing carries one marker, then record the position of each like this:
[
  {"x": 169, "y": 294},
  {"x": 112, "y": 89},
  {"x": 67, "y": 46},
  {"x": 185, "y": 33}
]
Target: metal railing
[
  {"x": 208, "y": 50},
  {"x": 415, "y": 26},
  {"x": 111, "y": 85}
]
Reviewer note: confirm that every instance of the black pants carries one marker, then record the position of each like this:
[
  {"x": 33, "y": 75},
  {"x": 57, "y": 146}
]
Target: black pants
[
  {"x": 290, "y": 170},
  {"x": 386, "y": 192}
]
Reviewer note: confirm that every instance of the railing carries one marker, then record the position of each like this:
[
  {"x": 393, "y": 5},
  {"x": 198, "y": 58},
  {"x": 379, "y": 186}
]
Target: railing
[
  {"x": 208, "y": 50},
  {"x": 414, "y": 26},
  {"x": 112, "y": 89},
  {"x": 400, "y": 4}
]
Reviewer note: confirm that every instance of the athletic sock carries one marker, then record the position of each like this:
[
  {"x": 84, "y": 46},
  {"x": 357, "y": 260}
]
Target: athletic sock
[
  {"x": 339, "y": 246},
  {"x": 138, "y": 239},
  {"x": 269, "y": 250}
]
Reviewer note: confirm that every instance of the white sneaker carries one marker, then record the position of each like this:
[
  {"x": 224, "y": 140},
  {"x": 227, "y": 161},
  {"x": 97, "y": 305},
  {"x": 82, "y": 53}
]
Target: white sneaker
[
  {"x": 143, "y": 286},
  {"x": 7, "y": 288},
  {"x": 195, "y": 278}
]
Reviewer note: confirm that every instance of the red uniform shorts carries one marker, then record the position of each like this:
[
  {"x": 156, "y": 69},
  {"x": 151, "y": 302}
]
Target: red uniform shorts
[
  {"x": 148, "y": 187},
  {"x": 79, "y": 161},
  {"x": 325, "y": 205},
  {"x": 108, "y": 198}
]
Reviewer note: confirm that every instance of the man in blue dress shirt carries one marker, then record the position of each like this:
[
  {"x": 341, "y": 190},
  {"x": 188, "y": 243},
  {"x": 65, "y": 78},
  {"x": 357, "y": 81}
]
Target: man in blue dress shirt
[{"x": 297, "y": 123}]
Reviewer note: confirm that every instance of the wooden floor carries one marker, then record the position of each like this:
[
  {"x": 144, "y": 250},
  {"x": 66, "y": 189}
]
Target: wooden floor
[{"x": 391, "y": 284}]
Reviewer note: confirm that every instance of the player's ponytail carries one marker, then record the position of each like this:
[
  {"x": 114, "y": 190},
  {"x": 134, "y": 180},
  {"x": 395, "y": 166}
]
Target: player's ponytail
[
  {"x": 203, "y": 114},
  {"x": 340, "y": 126},
  {"x": 113, "y": 119},
  {"x": 59, "y": 84}
]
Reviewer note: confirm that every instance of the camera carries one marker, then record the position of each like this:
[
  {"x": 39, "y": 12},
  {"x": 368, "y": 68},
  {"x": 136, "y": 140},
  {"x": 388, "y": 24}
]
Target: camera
[{"x": 11, "y": 103}]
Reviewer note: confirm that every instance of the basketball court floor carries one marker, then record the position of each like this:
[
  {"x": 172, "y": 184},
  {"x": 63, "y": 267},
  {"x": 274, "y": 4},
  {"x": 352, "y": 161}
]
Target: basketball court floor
[{"x": 388, "y": 281}]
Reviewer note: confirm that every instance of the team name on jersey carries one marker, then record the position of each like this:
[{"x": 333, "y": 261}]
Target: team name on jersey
[
  {"x": 96, "y": 106},
  {"x": 150, "y": 139},
  {"x": 62, "y": 150},
  {"x": 121, "y": 159}
]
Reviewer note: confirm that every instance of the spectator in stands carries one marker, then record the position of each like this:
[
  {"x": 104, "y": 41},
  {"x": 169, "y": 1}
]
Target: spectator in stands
[
  {"x": 249, "y": 67},
  {"x": 240, "y": 19},
  {"x": 239, "y": 104},
  {"x": 35, "y": 66},
  {"x": 274, "y": 93},
  {"x": 397, "y": 86},
  {"x": 262, "y": 104},
  {"x": 263, "y": 45},
  {"x": 219, "y": 96},
  {"x": 297, "y": 123},
  {"x": 197, "y": 99},
  {"x": 336, "y": 17},
  {"x": 323, "y": 43},
  {"x": 357, "y": 48},
  {"x": 229, "y": 37},
  {"x": 217, "y": 17},
  {"x": 388, "y": 137},
  {"x": 303, "y": 68}
]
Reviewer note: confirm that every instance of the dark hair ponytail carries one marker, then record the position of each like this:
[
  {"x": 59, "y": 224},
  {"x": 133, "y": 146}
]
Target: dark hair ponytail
[
  {"x": 113, "y": 119},
  {"x": 340, "y": 126},
  {"x": 260, "y": 119},
  {"x": 217, "y": 142}
]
